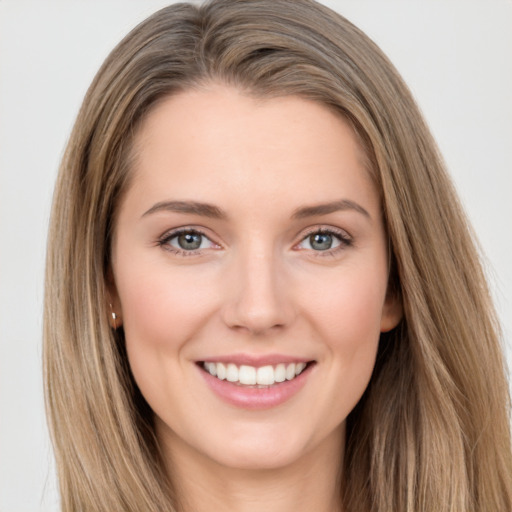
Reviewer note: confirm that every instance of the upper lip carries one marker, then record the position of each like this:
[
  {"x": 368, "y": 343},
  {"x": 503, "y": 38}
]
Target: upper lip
[{"x": 255, "y": 360}]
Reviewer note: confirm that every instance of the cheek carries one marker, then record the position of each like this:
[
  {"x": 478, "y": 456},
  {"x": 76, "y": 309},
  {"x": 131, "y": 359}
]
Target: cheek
[
  {"x": 160, "y": 304},
  {"x": 348, "y": 307},
  {"x": 162, "y": 310},
  {"x": 346, "y": 315}
]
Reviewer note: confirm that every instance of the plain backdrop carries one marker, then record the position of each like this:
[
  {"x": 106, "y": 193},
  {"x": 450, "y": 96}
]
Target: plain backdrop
[{"x": 455, "y": 55}]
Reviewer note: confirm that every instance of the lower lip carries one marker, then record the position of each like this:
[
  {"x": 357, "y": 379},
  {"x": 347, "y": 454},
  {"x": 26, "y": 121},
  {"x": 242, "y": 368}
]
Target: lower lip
[{"x": 256, "y": 398}]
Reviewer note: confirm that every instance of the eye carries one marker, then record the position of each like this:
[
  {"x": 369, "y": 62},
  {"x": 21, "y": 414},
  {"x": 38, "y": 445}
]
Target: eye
[
  {"x": 322, "y": 241},
  {"x": 186, "y": 241},
  {"x": 325, "y": 240}
]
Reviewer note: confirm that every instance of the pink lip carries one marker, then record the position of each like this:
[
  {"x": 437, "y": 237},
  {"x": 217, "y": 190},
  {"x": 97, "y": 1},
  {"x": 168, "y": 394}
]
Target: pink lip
[
  {"x": 256, "y": 360},
  {"x": 254, "y": 398}
]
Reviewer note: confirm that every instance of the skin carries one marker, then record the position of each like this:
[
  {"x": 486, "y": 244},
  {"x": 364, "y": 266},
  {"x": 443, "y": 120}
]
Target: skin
[{"x": 256, "y": 286}]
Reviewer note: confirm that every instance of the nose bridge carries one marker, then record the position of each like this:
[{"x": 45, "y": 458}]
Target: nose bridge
[{"x": 258, "y": 300}]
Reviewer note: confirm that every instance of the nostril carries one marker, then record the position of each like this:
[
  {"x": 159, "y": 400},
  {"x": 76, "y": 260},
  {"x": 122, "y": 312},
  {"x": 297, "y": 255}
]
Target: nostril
[{"x": 259, "y": 302}]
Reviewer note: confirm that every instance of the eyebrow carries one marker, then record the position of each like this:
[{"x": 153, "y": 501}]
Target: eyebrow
[
  {"x": 326, "y": 208},
  {"x": 214, "y": 212},
  {"x": 191, "y": 207}
]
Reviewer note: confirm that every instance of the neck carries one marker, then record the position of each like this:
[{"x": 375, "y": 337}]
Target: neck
[{"x": 310, "y": 483}]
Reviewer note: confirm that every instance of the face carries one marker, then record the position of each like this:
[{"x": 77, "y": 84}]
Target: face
[{"x": 250, "y": 272}]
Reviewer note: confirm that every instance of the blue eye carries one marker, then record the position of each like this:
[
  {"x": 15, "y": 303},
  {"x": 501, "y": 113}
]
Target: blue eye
[
  {"x": 189, "y": 240},
  {"x": 324, "y": 240}
]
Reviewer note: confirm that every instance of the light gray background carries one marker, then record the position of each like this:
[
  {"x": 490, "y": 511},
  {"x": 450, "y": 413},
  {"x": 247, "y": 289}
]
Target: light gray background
[{"x": 455, "y": 55}]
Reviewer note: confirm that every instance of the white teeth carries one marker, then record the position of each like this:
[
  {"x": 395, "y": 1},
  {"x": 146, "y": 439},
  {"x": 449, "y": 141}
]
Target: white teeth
[
  {"x": 265, "y": 376},
  {"x": 221, "y": 371},
  {"x": 250, "y": 375},
  {"x": 280, "y": 373},
  {"x": 247, "y": 375},
  {"x": 232, "y": 373},
  {"x": 299, "y": 367},
  {"x": 212, "y": 368}
]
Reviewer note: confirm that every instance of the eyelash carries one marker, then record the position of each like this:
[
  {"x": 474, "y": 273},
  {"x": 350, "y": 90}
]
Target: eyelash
[
  {"x": 167, "y": 237},
  {"x": 344, "y": 239}
]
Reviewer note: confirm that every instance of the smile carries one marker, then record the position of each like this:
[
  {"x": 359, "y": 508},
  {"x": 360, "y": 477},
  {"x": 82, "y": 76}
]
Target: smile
[
  {"x": 256, "y": 383},
  {"x": 246, "y": 375}
]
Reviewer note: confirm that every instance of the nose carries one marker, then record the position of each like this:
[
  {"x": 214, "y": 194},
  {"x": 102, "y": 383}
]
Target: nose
[{"x": 257, "y": 299}]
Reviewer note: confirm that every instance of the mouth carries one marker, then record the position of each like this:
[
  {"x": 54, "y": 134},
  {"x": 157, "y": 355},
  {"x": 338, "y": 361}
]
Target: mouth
[
  {"x": 256, "y": 383},
  {"x": 252, "y": 376}
]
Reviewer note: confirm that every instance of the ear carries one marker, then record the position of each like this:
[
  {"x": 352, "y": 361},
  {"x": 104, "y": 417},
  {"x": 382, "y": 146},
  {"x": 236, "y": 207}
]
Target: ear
[
  {"x": 113, "y": 305},
  {"x": 392, "y": 311}
]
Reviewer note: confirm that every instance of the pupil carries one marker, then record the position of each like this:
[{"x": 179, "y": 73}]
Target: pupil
[
  {"x": 189, "y": 241},
  {"x": 321, "y": 241}
]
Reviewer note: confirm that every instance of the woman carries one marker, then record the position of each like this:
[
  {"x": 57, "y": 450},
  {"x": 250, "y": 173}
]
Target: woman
[{"x": 274, "y": 300}]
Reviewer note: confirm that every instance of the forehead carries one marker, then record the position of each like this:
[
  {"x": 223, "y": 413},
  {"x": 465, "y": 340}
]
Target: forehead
[{"x": 220, "y": 140}]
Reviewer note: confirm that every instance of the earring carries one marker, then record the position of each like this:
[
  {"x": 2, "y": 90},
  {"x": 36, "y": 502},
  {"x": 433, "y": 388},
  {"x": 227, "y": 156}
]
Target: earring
[{"x": 114, "y": 317}]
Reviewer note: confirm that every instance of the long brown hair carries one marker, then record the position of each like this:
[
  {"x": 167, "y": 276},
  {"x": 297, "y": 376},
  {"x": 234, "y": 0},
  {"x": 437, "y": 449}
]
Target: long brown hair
[{"x": 431, "y": 432}]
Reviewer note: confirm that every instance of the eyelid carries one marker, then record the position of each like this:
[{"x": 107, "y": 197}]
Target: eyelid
[
  {"x": 323, "y": 228},
  {"x": 163, "y": 240},
  {"x": 344, "y": 238}
]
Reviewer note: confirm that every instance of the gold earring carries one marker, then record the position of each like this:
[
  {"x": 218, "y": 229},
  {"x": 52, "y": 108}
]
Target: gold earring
[{"x": 114, "y": 317}]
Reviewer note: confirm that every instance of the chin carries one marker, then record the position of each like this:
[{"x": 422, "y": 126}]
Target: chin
[
  {"x": 271, "y": 447},
  {"x": 258, "y": 456}
]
